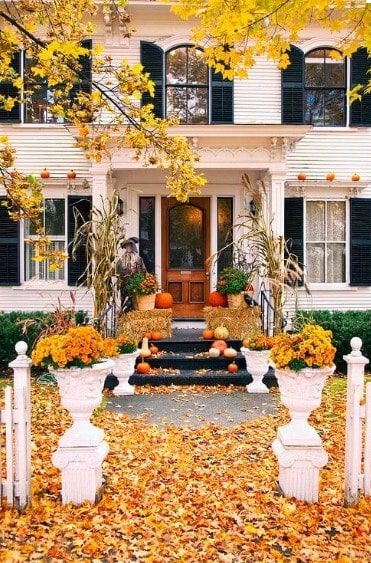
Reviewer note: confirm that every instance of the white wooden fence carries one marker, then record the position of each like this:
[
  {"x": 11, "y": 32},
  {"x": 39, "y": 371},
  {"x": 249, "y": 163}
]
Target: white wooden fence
[
  {"x": 358, "y": 427},
  {"x": 15, "y": 438}
]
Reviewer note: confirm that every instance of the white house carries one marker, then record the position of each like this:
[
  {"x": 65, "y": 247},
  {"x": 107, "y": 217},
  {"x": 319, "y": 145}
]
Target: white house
[{"x": 270, "y": 126}]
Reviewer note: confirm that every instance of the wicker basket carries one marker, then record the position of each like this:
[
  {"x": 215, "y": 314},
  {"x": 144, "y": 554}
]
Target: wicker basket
[{"x": 144, "y": 302}]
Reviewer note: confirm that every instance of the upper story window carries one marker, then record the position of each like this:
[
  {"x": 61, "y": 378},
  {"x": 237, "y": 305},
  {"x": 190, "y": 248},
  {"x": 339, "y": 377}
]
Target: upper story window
[
  {"x": 314, "y": 89},
  {"x": 185, "y": 87},
  {"x": 324, "y": 100},
  {"x": 38, "y": 96}
]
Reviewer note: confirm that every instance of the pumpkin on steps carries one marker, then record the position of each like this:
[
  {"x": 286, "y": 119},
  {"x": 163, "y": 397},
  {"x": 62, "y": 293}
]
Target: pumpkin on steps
[
  {"x": 163, "y": 300},
  {"x": 221, "y": 345},
  {"x": 230, "y": 352},
  {"x": 221, "y": 333},
  {"x": 232, "y": 367},
  {"x": 208, "y": 334},
  {"x": 143, "y": 367},
  {"x": 214, "y": 352}
]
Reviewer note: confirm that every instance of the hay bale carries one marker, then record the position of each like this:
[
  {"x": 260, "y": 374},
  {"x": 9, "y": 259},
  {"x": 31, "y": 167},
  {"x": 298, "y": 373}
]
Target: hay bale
[
  {"x": 240, "y": 322},
  {"x": 138, "y": 322}
]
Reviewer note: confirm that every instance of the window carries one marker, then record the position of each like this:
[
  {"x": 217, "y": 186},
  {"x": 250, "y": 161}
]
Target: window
[
  {"x": 38, "y": 96},
  {"x": 324, "y": 98},
  {"x": 53, "y": 221},
  {"x": 325, "y": 241},
  {"x": 321, "y": 242},
  {"x": 314, "y": 89},
  {"x": 185, "y": 87}
]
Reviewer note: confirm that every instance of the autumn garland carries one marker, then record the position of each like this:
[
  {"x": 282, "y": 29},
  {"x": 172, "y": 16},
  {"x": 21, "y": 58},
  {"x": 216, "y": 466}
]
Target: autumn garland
[
  {"x": 80, "y": 346},
  {"x": 312, "y": 348}
]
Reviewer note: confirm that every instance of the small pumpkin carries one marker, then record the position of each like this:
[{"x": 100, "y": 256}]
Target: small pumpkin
[
  {"x": 71, "y": 175},
  {"x": 230, "y": 352},
  {"x": 232, "y": 367},
  {"x": 163, "y": 300},
  {"x": 214, "y": 352},
  {"x": 45, "y": 173},
  {"x": 221, "y": 345},
  {"x": 356, "y": 177},
  {"x": 330, "y": 176},
  {"x": 221, "y": 333},
  {"x": 153, "y": 349},
  {"x": 147, "y": 335},
  {"x": 302, "y": 176},
  {"x": 157, "y": 335},
  {"x": 217, "y": 299},
  {"x": 143, "y": 367},
  {"x": 208, "y": 334}
]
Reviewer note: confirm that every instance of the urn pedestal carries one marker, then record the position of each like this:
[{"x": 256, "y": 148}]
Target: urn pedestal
[
  {"x": 257, "y": 364},
  {"x": 124, "y": 366},
  {"x": 82, "y": 449}
]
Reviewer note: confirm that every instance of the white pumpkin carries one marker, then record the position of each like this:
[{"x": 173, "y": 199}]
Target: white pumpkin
[
  {"x": 221, "y": 332},
  {"x": 214, "y": 352},
  {"x": 230, "y": 352}
]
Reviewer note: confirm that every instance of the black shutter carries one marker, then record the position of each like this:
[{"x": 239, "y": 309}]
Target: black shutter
[
  {"x": 9, "y": 248},
  {"x": 152, "y": 59},
  {"x": 360, "y": 241},
  {"x": 360, "y": 111},
  {"x": 294, "y": 228},
  {"x": 7, "y": 89},
  {"x": 292, "y": 80},
  {"x": 221, "y": 98},
  {"x": 83, "y": 83},
  {"x": 77, "y": 267}
]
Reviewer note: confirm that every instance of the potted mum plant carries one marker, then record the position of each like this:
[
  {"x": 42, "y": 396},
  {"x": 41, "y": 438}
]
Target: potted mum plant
[
  {"x": 142, "y": 287},
  {"x": 232, "y": 282},
  {"x": 302, "y": 363},
  {"x": 256, "y": 349}
]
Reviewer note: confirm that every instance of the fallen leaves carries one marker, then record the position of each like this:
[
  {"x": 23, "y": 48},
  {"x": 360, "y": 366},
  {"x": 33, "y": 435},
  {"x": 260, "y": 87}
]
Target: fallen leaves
[{"x": 189, "y": 495}]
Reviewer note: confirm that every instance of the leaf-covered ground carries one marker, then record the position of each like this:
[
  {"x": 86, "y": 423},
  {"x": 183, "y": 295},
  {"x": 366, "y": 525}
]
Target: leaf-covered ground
[{"x": 178, "y": 494}]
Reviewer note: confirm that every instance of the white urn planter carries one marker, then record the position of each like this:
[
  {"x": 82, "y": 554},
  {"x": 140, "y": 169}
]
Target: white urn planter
[
  {"x": 123, "y": 369},
  {"x": 301, "y": 393},
  {"x": 82, "y": 449},
  {"x": 257, "y": 364}
]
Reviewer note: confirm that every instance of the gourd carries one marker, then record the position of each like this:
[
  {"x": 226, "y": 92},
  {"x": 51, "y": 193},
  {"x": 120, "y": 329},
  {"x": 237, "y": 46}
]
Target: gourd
[
  {"x": 208, "y": 334},
  {"x": 144, "y": 351},
  {"x": 221, "y": 345},
  {"x": 153, "y": 349},
  {"x": 217, "y": 299},
  {"x": 232, "y": 367},
  {"x": 163, "y": 300},
  {"x": 214, "y": 352},
  {"x": 230, "y": 352},
  {"x": 221, "y": 332}
]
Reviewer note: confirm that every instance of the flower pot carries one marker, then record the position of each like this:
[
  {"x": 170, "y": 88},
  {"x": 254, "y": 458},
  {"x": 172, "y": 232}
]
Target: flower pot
[
  {"x": 124, "y": 367},
  {"x": 257, "y": 364},
  {"x": 81, "y": 392},
  {"x": 144, "y": 302},
  {"x": 235, "y": 301},
  {"x": 301, "y": 393}
]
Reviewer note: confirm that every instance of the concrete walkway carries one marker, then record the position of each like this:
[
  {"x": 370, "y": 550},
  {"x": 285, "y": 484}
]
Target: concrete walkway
[{"x": 196, "y": 408}]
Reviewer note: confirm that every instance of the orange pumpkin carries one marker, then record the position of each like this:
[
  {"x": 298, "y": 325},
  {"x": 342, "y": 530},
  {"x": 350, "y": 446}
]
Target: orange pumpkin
[
  {"x": 208, "y": 334},
  {"x": 217, "y": 299},
  {"x": 143, "y": 367},
  {"x": 147, "y": 335},
  {"x": 230, "y": 352},
  {"x": 232, "y": 368},
  {"x": 330, "y": 176},
  {"x": 221, "y": 345},
  {"x": 45, "y": 173},
  {"x": 356, "y": 177},
  {"x": 153, "y": 349},
  {"x": 71, "y": 174},
  {"x": 157, "y": 335},
  {"x": 302, "y": 176},
  {"x": 163, "y": 300}
]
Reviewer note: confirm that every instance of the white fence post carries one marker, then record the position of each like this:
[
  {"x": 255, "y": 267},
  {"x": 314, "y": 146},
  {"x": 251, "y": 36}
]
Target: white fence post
[
  {"x": 22, "y": 426},
  {"x": 354, "y": 413}
]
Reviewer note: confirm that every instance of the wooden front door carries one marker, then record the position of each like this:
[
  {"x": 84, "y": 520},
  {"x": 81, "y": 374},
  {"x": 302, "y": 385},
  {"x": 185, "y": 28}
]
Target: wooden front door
[{"x": 185, "y": 249}]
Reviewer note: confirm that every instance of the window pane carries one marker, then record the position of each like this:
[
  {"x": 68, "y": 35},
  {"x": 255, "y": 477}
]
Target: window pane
[
  {"x": 315, "y": 227},
  {"x": 315, "y": 272},
  {"x": 225, "y": 236},
  {"x": 197, "y": 69},
  {"x": 176, "y": 66},
  {"x": 334, "y": 108},
  {"x": 335, "y": 263},
  {"x": 147, "y": 231},
  {"x": 54, "y": 217},
  {"x": 186, "y": 224},
  {"x": 336, "y": 221},
  {"x": 189, "y": 105}
]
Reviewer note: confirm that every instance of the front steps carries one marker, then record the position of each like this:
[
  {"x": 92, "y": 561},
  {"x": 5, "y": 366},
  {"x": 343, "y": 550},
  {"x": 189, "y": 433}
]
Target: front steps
[{"x": 183, "y": 360}]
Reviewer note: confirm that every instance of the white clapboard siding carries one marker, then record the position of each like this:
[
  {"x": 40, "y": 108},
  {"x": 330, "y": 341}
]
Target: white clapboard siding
[{"x": 258, "y": 98}]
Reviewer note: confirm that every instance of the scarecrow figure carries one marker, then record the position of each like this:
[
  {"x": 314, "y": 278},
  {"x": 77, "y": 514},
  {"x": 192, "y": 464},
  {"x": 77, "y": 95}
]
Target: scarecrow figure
[{"x": 129, "y": 264}]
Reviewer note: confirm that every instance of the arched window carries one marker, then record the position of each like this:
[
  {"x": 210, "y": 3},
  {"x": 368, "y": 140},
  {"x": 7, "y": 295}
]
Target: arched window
[
  {"x": 324, "y": 89},
  {"x": 187, "y": 85}
]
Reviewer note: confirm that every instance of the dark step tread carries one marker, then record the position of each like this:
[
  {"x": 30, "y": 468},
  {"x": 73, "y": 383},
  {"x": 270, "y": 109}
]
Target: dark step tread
[{"x": 190, "y": 377}]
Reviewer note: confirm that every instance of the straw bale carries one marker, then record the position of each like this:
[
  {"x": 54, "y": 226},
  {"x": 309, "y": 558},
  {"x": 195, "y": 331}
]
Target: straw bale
[
  {"x": 240, "y": 322},
  {"x": 138, "y": 322}
]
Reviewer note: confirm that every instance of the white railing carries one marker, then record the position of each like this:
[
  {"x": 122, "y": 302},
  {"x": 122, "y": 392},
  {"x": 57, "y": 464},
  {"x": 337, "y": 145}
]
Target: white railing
[
  {"x": 358, "y": 427},
  {"x": 16, "y": 417}
]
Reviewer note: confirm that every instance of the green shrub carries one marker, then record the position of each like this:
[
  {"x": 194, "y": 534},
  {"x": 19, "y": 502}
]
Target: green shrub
[
  {"x": 344, "y": 326},
  {"x": 17, "y": 325}
]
